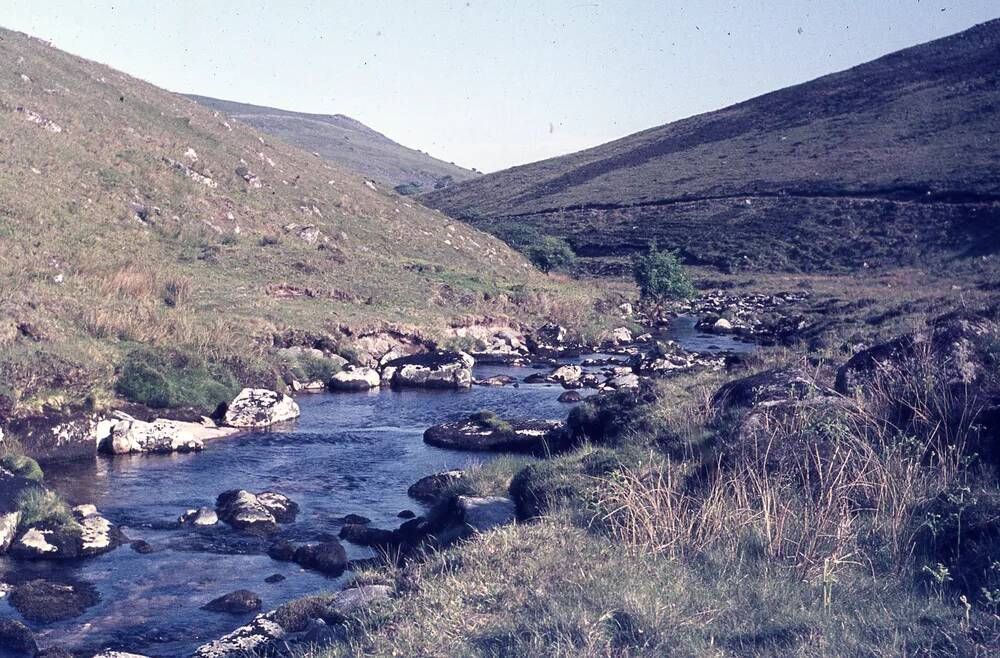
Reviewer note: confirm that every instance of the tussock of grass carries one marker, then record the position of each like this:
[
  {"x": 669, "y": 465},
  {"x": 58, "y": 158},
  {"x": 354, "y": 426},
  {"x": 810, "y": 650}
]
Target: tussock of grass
[
  {"x": 22, "y": 466},
  {"x": 174, "y": 379},
  {"x": 37, "y": 505}
]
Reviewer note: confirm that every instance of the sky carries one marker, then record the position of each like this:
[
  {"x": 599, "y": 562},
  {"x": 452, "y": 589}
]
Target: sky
[{"x": 483, "y": 83}]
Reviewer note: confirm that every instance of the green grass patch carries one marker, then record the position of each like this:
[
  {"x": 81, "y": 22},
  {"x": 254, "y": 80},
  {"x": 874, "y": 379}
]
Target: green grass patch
[
  {"x": 164, "y": 379},
  {"x": 22, "y": 466},
  {"x": 37, "y": 505}
]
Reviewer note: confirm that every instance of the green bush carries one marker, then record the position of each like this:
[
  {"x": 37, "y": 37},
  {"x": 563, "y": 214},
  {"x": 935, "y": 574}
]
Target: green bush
[
  {"x": 174, "y": 379},
  {"x": 408, "y": 189},
  {"x": 310, "y": 368},
  {"x": 550, "y": 254},
  {"x": 23, "y": 466},
  {"x": 661, "y": 277}
]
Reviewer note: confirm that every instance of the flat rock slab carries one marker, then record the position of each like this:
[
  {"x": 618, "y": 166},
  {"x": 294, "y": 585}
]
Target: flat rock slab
[{"x": 523, "y": 435}]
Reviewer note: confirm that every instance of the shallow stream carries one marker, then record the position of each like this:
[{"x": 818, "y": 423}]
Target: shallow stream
[{"x": 348, "y": 453}]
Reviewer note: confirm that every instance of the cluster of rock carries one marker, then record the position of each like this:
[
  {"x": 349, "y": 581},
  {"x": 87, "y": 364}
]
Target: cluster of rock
[
  {"x": 758, "y": 317},
  {"x": 438, "y": 369},
  {"x": 309, "y": 623},
  {"x": 258, "y": 513}
]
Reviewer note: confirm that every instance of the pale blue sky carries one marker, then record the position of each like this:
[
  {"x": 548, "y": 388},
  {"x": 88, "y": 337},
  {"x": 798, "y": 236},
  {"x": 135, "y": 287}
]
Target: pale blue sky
[{"x": 484, "y": 83}]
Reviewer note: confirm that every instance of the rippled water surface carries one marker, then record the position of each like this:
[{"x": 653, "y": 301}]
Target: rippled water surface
[{"x": 350, "y": 452}]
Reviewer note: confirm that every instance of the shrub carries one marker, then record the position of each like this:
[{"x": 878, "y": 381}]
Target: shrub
[
  {"x": 174, "y": 379},
  {"x": 408, "y": 189},
  {"x": 661, "y": 277},
  {"x": 551, "y": 253},
  {"x": 23, "y": 466}
]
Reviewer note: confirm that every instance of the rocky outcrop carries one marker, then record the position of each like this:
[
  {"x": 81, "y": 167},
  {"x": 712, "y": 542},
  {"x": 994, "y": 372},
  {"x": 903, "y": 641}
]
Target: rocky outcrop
[
  {"x": 239, "y": 602},
  {"x": 47, "y": 601},
  {"x": 56, "y": 436},
  {"x": 549, "y": 340},
  {"x": 768, "y": 386},
  {"x": 298, "y": 625},
  {"x": 259, "y": 407},
  {"x": 429, "y": 489},
  {"x": 86, "y": 535},
  {"x": 433, "y": 370},
  {"x": 257, "y": 513},
  {"x": 959, "y": 344},
  {"x": 355, "y": 379},
  {"x": 481, "y": 432}
]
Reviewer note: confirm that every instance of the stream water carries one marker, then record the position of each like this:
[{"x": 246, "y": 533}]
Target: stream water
[{"x": 351, "y": 452}]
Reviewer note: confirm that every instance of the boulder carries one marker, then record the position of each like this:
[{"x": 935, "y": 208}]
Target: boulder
[
  {"x": 239, "y": 602},
  {"x": 160, "y": 436},
  {"x": 142, "y": 547},
  {"x": 363, "y": 535},
  {"x": 429, "y": 488},
  {"x": 565, "y": 375},
  {"x": 355, "y": 379},
  {"x": 16, "y": 637},
  {"x": 348, "y": 601},
  {"x": 768, "y": 386},
  {"x": 620, "y": 336},
  {"x": 257, "y": 513},
  {"x": 496, "y": 380},
  {"x": 548, "y": 340},
  {"x": 433, "y": 370},
  {"x": 483, "y": 514},
  {"x": 630, "y": 380},
  {"x": 570, "y": 396},
  {"x": 354, "y": 518},
  {"x": 253, "y": 639},
  {"x": 259, "y": 407},
  {"x": 203, "y": 516},
  {"x": 54, "y": 436},
  {"x": 109, "y": 653},
  {"x": 489, "y": 433},
  {"x": 328, "y": 557},
  {"x": 46, "y": 601},
  {"x": 960, "y": 343},
  {"x": 86, "y": 535}
]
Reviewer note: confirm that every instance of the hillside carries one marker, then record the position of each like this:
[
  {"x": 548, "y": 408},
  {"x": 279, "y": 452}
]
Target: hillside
[
  {"x": 888, "y": 163},
  {"x": 347, "y": 142},
  {"x": 130, "y": 215}
]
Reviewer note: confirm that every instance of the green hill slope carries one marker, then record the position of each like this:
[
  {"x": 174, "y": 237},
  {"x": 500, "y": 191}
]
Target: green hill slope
[
  {"x": 348, "y": 142},
  {"x": 885, "y": 163},
  {"x": 132, "y": 215}
]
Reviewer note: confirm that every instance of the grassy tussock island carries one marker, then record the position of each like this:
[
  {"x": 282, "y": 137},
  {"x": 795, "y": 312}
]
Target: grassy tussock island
[{"x": 861, "y": 525}]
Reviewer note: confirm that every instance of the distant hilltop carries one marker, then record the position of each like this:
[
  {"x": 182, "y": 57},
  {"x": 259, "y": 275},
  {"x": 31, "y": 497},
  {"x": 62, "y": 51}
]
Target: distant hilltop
[
  {"x": 348, "y": 142},
  {"x": 888, "y": 163}
]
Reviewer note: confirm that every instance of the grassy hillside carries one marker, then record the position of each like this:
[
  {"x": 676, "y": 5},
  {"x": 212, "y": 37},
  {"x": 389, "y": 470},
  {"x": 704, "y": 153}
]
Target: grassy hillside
[
  {"x": 348, "y": 142},
  {"x": 132, "y": 215},
  {"x": 882, "y": 164}
]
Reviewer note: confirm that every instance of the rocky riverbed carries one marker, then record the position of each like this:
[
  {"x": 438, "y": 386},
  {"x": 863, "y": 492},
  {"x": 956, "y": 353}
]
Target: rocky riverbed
[{"x": 181, "y": 581}]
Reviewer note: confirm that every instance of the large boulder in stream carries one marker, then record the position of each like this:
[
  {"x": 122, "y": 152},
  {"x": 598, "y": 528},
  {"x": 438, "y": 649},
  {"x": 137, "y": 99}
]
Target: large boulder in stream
[
  {"x": 257, "y": 513},
  {"x": 430, "y": 488},
  {"x": 355, "y": 379},
  {"x": 239, "y": 602},
  {"x": 327, "y": 557},
  {"x": 160, "y": 436},
  {"x": 87, "y": 533},
  {"x": 487, "y": 432},
  {"x": 432, "y": 370},
  {"x": 259, "y": 407}
]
